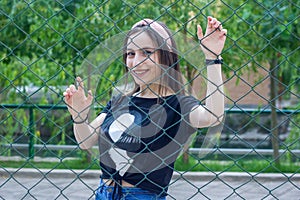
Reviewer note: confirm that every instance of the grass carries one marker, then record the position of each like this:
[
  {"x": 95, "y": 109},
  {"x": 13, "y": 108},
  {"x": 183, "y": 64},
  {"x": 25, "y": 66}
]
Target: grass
[
  {"x": 61, "y": 164},
  {"x": 253, "y": 165}
]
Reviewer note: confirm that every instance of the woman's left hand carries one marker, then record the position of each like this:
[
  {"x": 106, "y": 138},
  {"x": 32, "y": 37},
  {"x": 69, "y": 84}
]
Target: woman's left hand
[{"x": 212, "y": 43}]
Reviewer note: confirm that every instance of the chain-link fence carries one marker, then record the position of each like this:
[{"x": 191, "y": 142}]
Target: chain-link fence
[{"x": 45, "y": 45}]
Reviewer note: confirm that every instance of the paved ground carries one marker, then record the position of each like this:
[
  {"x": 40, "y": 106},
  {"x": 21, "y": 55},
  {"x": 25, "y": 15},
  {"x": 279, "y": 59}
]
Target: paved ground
[{"x": 67, "y": 184}]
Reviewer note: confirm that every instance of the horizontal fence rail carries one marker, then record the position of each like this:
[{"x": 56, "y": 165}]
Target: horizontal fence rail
[{"x": 218, "y": 151}]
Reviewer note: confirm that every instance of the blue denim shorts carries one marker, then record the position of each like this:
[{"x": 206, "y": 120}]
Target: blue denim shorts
[{"x": 105, "y": 192}]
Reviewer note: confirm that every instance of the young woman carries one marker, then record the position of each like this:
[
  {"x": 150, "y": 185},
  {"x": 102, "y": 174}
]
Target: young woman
[{"x": 141, "y": 133}]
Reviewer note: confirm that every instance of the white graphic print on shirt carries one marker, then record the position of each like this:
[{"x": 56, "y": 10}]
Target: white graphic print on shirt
[{"x": 119, "y": 156}]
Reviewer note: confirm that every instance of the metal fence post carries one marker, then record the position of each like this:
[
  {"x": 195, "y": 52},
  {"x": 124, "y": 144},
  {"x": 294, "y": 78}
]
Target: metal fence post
[{"x": 31, "y": 133}]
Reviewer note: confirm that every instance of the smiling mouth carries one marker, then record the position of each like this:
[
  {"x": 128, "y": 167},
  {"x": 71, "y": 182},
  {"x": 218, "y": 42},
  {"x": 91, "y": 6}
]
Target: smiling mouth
[{"x": 140, "y": 72}]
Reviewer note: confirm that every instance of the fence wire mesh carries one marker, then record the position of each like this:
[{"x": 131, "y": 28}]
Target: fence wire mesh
[{"x": 45, "y": 45}]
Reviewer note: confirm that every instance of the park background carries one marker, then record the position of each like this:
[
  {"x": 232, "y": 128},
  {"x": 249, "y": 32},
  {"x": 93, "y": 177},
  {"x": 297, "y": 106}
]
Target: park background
[{"x": 44, "y": 43}]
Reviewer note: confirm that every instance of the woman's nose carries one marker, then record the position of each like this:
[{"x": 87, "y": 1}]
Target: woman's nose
[{"x": 138, "y": 60}]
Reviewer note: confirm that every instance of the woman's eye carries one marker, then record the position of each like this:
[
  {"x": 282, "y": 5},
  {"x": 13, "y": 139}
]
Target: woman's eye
[
  {"x": 147, "y": 52},
  {"x": 130, "y": 54}
]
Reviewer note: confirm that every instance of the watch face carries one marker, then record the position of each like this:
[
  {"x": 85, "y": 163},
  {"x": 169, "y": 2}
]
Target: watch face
[{"x": 211, "y": 62}]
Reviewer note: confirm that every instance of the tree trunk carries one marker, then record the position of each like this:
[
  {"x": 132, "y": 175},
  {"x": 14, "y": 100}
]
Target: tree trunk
[{"x": 273, "y": 100}]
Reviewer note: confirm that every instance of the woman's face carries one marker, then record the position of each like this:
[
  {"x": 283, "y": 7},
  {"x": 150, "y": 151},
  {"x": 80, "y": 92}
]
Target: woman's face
[{"x": 142, "y": 59}]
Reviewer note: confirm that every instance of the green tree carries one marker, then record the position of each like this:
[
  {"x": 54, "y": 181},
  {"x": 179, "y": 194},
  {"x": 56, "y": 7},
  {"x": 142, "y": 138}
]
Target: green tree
[{"x": 265, "y": 34}]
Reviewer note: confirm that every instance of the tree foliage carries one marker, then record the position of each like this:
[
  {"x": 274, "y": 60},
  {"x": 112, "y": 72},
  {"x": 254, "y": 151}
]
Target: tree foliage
[{"x": 44, "y": 42}]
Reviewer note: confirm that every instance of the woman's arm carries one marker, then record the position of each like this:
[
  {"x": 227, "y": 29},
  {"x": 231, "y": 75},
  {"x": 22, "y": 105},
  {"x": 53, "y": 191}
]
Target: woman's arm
[
  {"x": 79, "y": 106},
  {"x": 212, "y": 44},
  {"x": 87, "y": 134},
  {"x": 212, "y": 113}
]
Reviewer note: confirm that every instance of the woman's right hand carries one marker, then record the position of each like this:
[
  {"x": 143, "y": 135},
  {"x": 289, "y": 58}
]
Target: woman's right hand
[{"x": 78, "y": 103}]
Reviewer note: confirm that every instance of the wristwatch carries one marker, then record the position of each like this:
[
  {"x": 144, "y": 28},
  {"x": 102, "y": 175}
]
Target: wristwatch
[{"x": 213, "y": 62}]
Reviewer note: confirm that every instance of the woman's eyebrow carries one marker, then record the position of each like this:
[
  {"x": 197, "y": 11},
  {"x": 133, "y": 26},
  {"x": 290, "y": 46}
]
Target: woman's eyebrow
[{"x": 142, "y": 48}]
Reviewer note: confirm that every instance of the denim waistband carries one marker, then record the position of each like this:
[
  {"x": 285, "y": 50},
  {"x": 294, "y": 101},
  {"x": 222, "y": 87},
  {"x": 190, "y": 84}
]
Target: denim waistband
[{"x": 105, "y": 192}]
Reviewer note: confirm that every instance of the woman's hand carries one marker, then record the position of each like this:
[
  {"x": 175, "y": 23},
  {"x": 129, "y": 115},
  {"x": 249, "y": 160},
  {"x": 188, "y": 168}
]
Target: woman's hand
[
  {"x": 212, "y": 43},
  {"x": 78, "y": 103}
]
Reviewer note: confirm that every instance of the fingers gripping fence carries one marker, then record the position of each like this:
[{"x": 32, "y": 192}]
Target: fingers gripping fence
[{"x": 51, "y": 151}]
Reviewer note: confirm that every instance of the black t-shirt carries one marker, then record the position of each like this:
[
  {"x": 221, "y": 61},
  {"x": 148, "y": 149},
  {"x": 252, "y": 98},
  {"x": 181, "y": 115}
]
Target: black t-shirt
[{"x": 141, "y": 138}]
